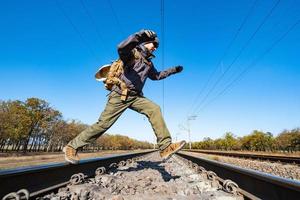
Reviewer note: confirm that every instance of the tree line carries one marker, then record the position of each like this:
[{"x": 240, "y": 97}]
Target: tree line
[
  {"x": 33, "y": 125},
  {"x": 287, "y": 140}
]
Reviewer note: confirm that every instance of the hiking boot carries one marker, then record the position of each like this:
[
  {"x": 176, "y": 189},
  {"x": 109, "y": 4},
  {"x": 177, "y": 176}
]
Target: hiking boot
[
  {"x": 171, "y": 149},
  {"x": 71, "y": 155}
]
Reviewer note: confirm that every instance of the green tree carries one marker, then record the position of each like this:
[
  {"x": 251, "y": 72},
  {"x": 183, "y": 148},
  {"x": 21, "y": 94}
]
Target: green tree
[
  {"x": 230, "y": 141},
  {"x": 288, "y": 140},
  {"x": 14, "y": 122},
  {"x": 257, "y": 141},
  {"x": 41, "y": 115}
]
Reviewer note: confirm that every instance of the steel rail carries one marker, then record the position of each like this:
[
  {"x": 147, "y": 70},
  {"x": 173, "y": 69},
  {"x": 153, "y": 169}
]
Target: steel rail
[
  {"x": 284, "y": 159},
  {"x": 42, "y": 179},
  {"x": 259, "y": 184}
]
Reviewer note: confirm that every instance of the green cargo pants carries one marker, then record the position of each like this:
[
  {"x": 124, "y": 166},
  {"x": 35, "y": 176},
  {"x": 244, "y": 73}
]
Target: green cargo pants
[{"x": 113, "y": 110}]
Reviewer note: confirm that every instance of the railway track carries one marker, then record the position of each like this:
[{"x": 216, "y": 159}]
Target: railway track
[
  {"x": 33, "y": 182},
  {"x": 258, "y": 184},
  {"x": 283, "y": 159},
  {"x": 144, "y": 176}
]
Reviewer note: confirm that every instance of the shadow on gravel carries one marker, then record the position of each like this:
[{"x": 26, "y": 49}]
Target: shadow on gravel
[{"x": 152, "y": 165}]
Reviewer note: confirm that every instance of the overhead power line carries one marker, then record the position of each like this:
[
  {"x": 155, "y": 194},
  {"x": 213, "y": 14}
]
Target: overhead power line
[
  {"x": 75, "y": 28},
  {"x": 254, "y": 63},
  {"x": 86, "y": 10},
  {"x": 224, "y": 54},
  {"x": 162, "y": 7},
  {"x": 239, "y": 54},
  {"x": 116, "y": 17}
]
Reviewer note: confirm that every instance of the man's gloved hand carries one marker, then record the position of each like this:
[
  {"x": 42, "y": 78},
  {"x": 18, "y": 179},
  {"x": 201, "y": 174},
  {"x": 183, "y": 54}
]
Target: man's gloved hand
[
  {"x": 178, "y": 69},
  {"x": 147, "y": 35},
  {"x": 150, "y": 34}
]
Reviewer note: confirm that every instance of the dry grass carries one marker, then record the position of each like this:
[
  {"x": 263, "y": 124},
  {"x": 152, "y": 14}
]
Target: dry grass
[
  {"x": 9, "y": 162},
  {"x": 216, "y": 158}
]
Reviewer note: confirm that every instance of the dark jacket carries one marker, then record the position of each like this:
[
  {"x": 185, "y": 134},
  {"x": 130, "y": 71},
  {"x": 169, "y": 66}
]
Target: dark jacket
[{"x": 138, "y": 68}]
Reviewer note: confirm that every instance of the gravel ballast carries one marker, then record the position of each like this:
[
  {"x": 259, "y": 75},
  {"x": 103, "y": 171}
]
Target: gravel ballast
[
  {"x": 290, "y": 171},
  {"x": 148, "y": 178}
]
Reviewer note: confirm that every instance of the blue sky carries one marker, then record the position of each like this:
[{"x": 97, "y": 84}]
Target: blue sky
[{"x": 51, "y": 50}]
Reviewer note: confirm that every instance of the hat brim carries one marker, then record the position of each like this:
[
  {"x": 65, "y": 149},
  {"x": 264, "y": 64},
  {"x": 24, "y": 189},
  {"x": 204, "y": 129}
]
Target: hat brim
[{"x": 102, "y": 73}]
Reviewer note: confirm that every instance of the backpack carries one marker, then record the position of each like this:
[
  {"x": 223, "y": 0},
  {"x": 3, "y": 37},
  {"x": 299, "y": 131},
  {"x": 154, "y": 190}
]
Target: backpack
[{"x": 110, "y": 74}]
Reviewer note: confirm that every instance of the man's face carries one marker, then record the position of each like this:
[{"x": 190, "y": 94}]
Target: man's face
[{"x": 150, "y": 47}]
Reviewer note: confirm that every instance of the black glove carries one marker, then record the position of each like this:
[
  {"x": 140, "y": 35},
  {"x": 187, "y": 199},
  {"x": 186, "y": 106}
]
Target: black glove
[
  {"x": 150, "y": 34},
  {"x": 147, "y": 35},
  {"x": 178, "y": 69}
]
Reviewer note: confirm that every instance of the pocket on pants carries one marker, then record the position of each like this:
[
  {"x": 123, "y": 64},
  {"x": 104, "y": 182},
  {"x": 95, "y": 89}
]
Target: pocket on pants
[
  {"x": 114, "y": 97},
  {"x": 110, "y": 95}
]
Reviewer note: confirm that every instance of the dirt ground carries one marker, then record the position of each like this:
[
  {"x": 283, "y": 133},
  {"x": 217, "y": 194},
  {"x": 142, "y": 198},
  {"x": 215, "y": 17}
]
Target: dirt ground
[{"x": 14, "y": 160}]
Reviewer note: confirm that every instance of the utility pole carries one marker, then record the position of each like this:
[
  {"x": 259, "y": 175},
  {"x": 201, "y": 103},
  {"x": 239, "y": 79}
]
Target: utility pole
[
  {"x": 188, "y": 129},
  {"x": 176, "y": 138},
  {"x": 193, "y": 117}
]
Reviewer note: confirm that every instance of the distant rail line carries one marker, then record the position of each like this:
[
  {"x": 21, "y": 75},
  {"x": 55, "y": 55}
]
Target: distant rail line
[
  {"x": 260, "y": 185},
  {"x": 30, "y": 183},
  {"x": 273, "y": 158}
]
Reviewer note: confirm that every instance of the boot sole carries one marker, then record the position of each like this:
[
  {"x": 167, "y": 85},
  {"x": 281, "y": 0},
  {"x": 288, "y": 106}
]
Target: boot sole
[
  {"x": 170, "y": 155},
  {"x": 74, "y": 162}
]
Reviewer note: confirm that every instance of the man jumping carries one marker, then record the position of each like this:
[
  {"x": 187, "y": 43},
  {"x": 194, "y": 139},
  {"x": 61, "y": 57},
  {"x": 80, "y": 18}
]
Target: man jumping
[{"x": 136, "y": 53}]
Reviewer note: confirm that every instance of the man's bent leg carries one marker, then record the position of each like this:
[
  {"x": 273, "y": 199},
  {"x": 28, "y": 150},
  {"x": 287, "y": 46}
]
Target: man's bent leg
[
  {"x": 113, "y": 110},
  {"x": 153, "y": 112}
]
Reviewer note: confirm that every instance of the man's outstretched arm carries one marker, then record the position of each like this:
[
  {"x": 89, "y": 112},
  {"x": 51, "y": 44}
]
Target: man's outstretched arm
[{"x": 155, "y": 75}]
